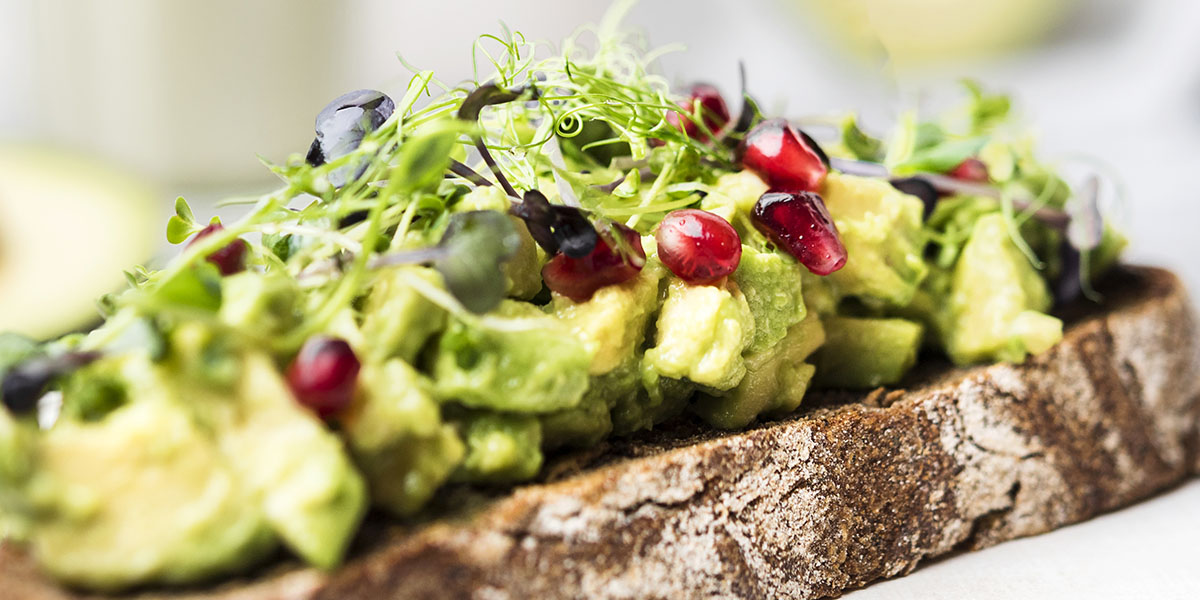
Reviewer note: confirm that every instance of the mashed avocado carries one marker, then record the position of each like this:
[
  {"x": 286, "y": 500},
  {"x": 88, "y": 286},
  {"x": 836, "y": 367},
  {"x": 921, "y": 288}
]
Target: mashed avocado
[{"x": 457, "y": 291}]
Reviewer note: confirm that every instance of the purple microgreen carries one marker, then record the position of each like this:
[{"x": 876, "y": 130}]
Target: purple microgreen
[
  {"x": 475, "y": 245},
  {"x": 26, "y": 382},
  {"x": 487, "y": 95},
  {"x": 749, "y": 113},
  {"x": 468, "y": 173},
  {"x": 1086, "y": 227},
  {"x": 495, "y": 168},
  {"x": 483, "y": 96},
  {"x": 556, "y": 228},
  {"x": 1068, "y": 285},
  {"x": 919, "y": 187}
]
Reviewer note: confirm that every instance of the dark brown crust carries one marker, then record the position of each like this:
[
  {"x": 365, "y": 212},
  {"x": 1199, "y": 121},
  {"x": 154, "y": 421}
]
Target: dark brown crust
[{"x": 813, "y": 505}]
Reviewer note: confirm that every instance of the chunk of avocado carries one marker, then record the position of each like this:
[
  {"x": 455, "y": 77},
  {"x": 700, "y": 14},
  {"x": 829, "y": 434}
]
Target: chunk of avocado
[
  {"x": 654, "y": 399},
  {"x": 518, "y": 359},
  {"x": 775, "y": 382},
  {"x": 298, "y": 470},
  {"x": 397, "y": 436},
  {"x": 261, "y": 305},
  {"x": 18, "y": 445},
  {"x": 143, "y": 496},
  {"x": 734, "y": 195},
  {"x": 399, "y": 318},
  {"x": 612, "y": 324},
  {"x": 997, "y": 300},
  {"x": 881, "y": 228},
  {"x": 702, "y": 332},
  {"x": 771, "y": 283},
  {"x": 501, "y": 448},
  {"x": 862, "y": 353},
  {"x": 590, "y": 422}
]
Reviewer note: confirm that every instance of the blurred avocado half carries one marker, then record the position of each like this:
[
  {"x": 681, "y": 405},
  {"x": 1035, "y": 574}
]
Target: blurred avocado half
[
  {"x": 69, "y": 227},
  {"x": 918, "y": 32}
]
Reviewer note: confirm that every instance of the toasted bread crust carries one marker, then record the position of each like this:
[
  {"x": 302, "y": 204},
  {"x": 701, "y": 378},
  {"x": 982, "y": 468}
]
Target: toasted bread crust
[{"x": 856, "y": 489}]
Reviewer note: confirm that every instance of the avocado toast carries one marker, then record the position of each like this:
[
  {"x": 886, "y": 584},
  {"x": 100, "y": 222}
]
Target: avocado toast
[{"x": 439, "y": 298}]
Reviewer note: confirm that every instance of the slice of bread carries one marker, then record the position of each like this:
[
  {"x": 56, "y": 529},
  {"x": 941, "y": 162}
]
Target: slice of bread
[{"x": 856, "y": 488}]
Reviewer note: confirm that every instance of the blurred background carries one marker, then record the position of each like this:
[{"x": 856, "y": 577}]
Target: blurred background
[{"x": 177, "y": 98}]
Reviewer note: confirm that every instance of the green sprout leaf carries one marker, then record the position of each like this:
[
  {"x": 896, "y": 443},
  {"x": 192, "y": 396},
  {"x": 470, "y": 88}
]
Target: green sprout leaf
[
  {"x": 183, "y": 211},
  {"x": 941, "y": 157},
  {"x": 424, "y": 158},
  {"x": 986, "y": 110},
  {"x": 179, "y": 229},
  {"x": 195, "y": 287},
  {"x": 862, "y": 145},
  {"x": 476, "y": 244}
]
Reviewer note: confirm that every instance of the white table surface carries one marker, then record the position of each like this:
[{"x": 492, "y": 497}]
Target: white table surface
[{"x": 1149, "y": 550}]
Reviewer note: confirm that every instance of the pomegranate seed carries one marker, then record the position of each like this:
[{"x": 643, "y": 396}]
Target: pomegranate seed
[
  {"x": 783, "y": 157},
  {"x": 230, "y": 259},
  {"x": 799, "y": 223},
  {"x": 579, "y": 278},
  {"x": 324, "y": 374},
  {"x": 713, "y": 112},
  {"x": 971, "y": 169},
  {"x": 697, "y": 246}
]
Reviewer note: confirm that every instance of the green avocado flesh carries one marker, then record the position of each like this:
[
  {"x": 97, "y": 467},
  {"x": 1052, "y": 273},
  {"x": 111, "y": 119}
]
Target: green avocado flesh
[
  {"x": 53, "y": 206},
  {"x": 193, "y": 435}
]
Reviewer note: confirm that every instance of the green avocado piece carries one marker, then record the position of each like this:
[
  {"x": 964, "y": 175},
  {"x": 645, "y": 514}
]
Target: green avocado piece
[
  {"x": 399, "y": 318},
  {"x": 501, "y": 448},
  {"x": 771, "y": 283},
  {"x": 612, "y": 324},
  {"x": 18, "y": 444},
  {"x": 734, "y": 195},
  {"x": 298, "y": 470},
  {"x": 881, "y": 228},
  {"x": 262, "y": 305},
  {"x": 702, "y": 332},
  {"x": 517, "y": 359},
  {"x": 775, "y": 382},
  {"x": 524, "y": 270},
  {"x": 397, "y": 436},
  {"x": 653, "y": 400},
  {"x": 145, "y": 495},
  {"x": 996, "y": 301},
  {"x": 864, "y": 353},
  {"x": 587, "y": 424}
]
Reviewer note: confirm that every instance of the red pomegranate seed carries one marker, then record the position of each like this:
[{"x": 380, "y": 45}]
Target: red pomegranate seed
[
  {"x": 713, "y": 112},
  {"x": 971, "y": 169},
  {"x": 324, "y": 374},
  {"x": 579, "y": 278},
  {"x": 799, "y": 223},
  {"x": 230, "y": 259},
  {"x": 783, "y": 158},
  {"x": 697, "y": 246}
]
